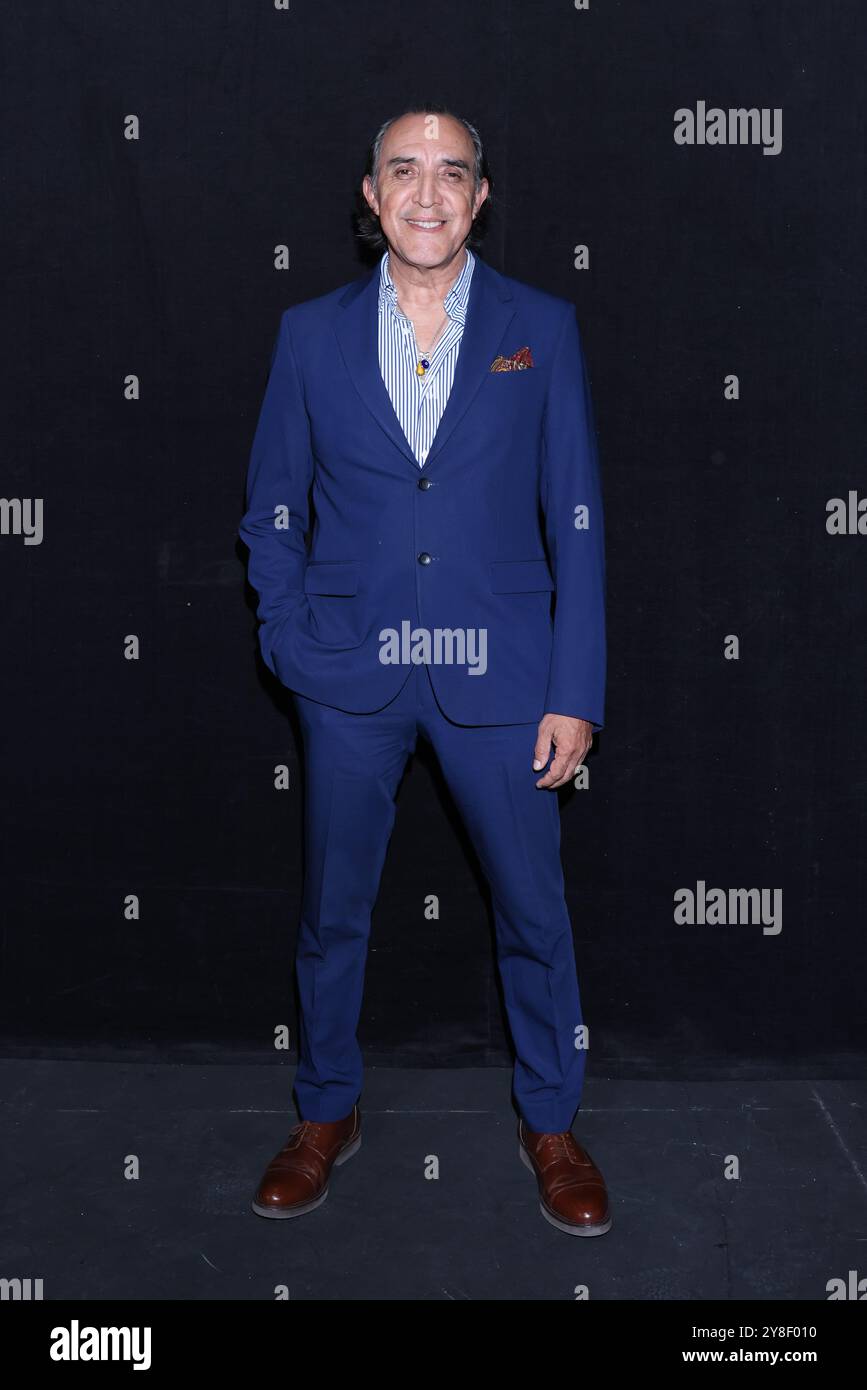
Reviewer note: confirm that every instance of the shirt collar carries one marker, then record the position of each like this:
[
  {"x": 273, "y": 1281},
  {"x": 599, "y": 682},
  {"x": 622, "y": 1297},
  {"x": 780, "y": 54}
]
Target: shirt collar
[{"x": 455, "y": 302}]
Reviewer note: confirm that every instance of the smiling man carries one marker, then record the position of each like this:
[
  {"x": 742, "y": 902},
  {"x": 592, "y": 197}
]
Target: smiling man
[{"x": 425, "y": 462}]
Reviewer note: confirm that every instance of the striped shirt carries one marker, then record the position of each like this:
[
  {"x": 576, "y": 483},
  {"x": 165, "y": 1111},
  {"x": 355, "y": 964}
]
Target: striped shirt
[{"x": 419, "y": 401}]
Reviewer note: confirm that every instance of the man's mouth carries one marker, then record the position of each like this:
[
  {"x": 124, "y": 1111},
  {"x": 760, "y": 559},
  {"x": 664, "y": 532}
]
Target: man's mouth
[{"x": 426, "y": 224}]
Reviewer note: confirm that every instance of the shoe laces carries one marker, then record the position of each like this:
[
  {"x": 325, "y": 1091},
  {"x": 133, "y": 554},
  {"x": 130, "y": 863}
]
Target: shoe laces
[
  {"x": 308, "y": 1130},
  {"x": 558, "y": 1145}
]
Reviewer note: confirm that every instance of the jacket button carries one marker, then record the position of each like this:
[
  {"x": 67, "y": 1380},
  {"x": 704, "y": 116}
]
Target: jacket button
[
  {"x": 424, "y": 558},
  {"x": 424, "y": 484}
]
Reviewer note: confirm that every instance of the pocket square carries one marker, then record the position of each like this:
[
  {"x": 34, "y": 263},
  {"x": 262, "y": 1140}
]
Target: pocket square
[{"x": 518, "y": 362}]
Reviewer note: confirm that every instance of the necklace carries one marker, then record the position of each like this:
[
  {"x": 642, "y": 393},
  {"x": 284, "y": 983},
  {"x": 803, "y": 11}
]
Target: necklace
[{"x": 423, "y": 362}]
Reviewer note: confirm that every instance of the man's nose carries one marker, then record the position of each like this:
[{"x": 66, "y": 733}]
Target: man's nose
[{"x": 427, "y": 189}]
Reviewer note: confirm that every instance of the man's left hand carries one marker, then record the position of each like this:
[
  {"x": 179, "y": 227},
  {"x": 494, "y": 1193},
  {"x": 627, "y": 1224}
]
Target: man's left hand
[{"x": 571, "y": 739}]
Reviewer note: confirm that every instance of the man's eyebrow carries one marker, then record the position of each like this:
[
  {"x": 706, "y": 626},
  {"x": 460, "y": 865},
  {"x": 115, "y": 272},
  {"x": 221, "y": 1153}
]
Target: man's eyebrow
[{"x": 412, "y": 159}]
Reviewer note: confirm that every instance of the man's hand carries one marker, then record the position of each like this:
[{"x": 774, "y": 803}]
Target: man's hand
[{"x": 571, "y": 738}]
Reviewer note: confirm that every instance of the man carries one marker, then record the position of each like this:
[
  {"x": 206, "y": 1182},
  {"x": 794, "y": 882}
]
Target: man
[{"x": 433, "y": 412}]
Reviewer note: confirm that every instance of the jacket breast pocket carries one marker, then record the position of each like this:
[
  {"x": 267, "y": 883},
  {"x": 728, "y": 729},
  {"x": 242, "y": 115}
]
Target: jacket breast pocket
[{"x": 520, "y": 576}]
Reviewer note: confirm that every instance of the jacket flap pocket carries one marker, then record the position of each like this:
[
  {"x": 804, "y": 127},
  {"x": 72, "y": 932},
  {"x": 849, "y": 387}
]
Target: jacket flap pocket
[
  {"x": 520, "y": 576},
  {"x": 331, "y": 577}
]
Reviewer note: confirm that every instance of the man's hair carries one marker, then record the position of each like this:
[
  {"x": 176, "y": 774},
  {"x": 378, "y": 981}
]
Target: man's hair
[{"x": 367, "y": 224}]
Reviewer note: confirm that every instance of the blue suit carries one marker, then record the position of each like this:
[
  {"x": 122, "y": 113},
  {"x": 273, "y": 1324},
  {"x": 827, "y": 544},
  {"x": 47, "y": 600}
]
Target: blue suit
[
  {"x": 505, "y": 514},
  {"x": 506, "y": 442}
]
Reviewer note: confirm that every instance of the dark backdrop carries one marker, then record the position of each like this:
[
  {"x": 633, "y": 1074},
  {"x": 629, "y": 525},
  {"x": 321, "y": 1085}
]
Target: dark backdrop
[{"x": 155, "y": 257}]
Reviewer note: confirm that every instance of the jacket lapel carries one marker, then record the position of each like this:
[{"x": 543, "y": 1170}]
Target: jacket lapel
[
  {"x": 357, "y": 331},
  {"x": 490, "y": 309}
]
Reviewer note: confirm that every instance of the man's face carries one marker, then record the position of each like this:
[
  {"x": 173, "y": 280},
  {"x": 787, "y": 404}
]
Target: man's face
[{"x": 425, "y": 196}]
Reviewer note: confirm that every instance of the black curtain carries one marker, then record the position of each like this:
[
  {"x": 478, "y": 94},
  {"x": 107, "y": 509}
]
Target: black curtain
[{"x": 155, "y": 157}]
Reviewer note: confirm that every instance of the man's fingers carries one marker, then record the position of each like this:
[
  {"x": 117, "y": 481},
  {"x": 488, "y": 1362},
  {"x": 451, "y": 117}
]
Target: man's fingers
[
  {"x": 541, "y": 751},
  {"x": 563, "y": 767},
  {"x": 571, "y": 739},
  {"x": 556, "y": 774}
]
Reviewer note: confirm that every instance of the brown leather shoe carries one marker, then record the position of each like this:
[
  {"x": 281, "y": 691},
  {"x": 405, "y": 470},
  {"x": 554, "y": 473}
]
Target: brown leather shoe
[
  {"x": 572, "y": 1190},
  {"x": 296, "y": 1179}
]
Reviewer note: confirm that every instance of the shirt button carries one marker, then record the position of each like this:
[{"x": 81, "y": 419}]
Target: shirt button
[{"x": 424, "y": 558}]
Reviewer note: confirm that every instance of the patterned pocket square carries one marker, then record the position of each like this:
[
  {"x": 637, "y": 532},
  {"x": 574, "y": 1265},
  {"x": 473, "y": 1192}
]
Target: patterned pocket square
[{"x": 518, "y": 362}]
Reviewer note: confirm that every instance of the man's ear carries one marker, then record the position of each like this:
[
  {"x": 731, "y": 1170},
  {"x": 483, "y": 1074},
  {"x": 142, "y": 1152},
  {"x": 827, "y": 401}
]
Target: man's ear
[{"x": 369, "y": 192}]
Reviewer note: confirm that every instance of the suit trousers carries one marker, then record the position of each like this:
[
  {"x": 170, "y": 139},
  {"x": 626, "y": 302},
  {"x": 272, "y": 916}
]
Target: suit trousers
[{"x": 353, "y": 765}]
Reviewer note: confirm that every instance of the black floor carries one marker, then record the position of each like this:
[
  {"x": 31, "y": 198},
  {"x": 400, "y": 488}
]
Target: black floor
[{"x": 794, "y": 1219}]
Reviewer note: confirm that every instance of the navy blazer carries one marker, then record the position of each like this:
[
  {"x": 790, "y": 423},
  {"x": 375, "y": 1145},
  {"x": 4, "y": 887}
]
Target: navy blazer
[{"x": 505, "y": 515}]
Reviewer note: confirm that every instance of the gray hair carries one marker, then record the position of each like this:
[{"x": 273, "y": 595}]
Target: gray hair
[{"x": 367, "y": 224}]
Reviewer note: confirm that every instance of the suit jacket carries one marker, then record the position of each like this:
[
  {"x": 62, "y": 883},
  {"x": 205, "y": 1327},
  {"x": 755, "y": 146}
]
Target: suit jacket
[{"x": 503, "y": 522}]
